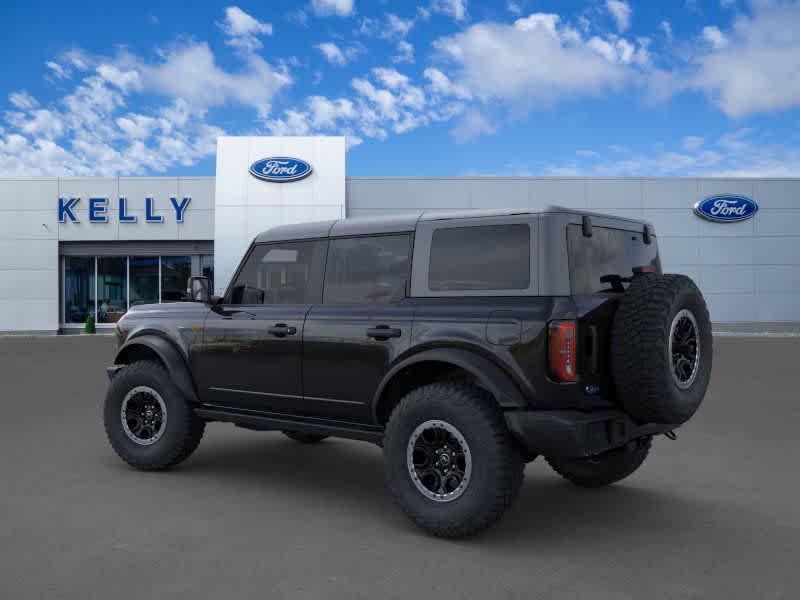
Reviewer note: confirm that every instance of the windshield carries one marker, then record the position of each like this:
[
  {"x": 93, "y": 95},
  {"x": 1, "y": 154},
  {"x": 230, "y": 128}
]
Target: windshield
[{"x": 606, "y": 261}]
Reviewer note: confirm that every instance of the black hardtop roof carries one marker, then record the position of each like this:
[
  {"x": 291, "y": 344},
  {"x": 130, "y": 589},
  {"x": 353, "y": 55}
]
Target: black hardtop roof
[{"x": 402, "y": 222}]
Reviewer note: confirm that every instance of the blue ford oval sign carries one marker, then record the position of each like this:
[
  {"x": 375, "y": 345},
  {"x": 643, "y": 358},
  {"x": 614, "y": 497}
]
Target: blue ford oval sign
[
  {"x": 726, "y": 209},
  {"x": 280, "y": 169}
]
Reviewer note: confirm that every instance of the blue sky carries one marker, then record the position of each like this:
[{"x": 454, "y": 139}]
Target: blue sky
[{"x": 437, "y": 87}]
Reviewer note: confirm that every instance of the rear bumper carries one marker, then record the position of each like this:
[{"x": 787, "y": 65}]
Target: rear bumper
[{"x": 572, "y": 433}]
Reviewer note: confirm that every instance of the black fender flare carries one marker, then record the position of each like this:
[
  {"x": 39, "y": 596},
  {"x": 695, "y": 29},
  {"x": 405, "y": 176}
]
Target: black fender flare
[
  {"x": 488, "y": 375},
  {"x": 169, "y": 354}
]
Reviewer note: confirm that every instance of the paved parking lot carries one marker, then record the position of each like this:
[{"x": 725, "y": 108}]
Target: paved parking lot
[{"x": 714, "y": 515}]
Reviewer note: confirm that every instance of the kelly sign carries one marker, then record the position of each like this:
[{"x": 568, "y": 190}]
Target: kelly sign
[{"x": 99, "y": 208}]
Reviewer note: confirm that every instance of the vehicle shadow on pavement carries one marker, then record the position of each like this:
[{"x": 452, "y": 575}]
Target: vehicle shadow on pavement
[{"x": 344, "y": 475}]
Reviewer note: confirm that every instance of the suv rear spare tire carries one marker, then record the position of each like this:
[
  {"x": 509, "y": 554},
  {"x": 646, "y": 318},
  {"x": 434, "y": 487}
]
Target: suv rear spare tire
[{"x": 661, "y": 349}]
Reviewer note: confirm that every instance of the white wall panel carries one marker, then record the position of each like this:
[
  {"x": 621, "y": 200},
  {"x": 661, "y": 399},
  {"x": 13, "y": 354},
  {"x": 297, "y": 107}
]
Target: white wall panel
[{"x": 246, "y": 205}]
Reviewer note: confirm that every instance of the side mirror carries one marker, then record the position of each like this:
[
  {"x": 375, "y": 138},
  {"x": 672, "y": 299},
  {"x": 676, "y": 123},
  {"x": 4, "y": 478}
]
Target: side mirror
[{"x": 199, "y": 289}]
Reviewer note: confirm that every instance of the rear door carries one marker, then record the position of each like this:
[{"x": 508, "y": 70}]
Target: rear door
[
  {"x": 362, "y": 324},
  {"x": 252, "y": 343}
]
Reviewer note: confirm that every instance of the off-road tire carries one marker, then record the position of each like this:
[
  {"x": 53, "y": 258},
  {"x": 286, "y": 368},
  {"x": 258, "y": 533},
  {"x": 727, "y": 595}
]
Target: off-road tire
[
  {"x": 183, "y": 430},
  {"x": 603, "y": 469},
  {"x": 497, "y": 463},
  {"x": 641, "y": 364},
  {"x": 303, "y": 437}
]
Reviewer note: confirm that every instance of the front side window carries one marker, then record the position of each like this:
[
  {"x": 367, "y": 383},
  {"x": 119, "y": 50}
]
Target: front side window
[
  {"x": 282, "y": 273},
  {"x": 483, "y": 257},
  {"x": 371, "y": 269}
]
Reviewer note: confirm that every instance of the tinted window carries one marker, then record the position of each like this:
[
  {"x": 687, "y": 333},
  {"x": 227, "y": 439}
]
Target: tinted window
[
  {"x": 282, "y": 273},
  {"x": 367, "y": 269},
  {"x": 488, "y": 257},
  {"x": 607, "y": 252}
]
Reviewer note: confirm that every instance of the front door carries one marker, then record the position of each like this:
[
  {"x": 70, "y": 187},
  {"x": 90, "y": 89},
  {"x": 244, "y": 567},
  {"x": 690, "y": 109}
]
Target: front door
[
  {"x": 252, "y": 341},
  {"x": 362, "y": 325}
]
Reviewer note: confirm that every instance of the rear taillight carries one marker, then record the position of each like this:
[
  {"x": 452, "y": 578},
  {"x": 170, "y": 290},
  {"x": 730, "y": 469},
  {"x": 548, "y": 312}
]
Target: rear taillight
[{"x": 562, "y": 340}]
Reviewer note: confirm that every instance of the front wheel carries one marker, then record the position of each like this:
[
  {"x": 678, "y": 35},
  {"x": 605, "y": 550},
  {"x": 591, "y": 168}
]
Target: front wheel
[
  {"x": 148, "y": 422},
  {"x": 451, "y": 463},
  {"x": 603, "y": 469}
]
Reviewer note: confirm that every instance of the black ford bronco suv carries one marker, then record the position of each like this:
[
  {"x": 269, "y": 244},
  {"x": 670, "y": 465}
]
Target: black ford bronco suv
[{"x": 465, "y": 344}]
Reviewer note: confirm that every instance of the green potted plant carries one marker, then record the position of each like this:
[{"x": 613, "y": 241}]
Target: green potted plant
[{"x": 89, "y": 327}]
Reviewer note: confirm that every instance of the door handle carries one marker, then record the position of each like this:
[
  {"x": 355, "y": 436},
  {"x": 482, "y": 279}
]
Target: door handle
[
  {"x": 281, "y": 330},
  {"x": 383, "y": 332}
]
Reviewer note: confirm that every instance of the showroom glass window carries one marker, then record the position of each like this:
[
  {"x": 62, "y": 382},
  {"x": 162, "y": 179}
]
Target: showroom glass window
[
  {"x": 369, "y": 269},
  {"x": 282, "y": 273},
  {"x": 105, "y": 287},
  {"x": 112, "y": 288},
  {"x": 78, "y": 288},
  {"x": 175, "y": 273},
  {"x": 143, "y": 279},
  {"x": 484, "y": 257}
]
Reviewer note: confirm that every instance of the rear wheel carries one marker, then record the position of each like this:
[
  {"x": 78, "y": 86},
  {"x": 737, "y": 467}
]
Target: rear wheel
[
  {"x": 603, "y": 469},
  {"x": 304, "y": 438},
  {"x": 147, "y": 420},
  {"x": 451, "y": 464}
]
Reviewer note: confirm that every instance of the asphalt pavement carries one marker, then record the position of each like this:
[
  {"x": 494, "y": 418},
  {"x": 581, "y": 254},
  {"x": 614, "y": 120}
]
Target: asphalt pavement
[{"x": 715, "y": 514}]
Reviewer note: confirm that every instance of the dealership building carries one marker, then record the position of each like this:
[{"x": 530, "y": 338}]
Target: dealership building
[{"x": 71, "y": 247}]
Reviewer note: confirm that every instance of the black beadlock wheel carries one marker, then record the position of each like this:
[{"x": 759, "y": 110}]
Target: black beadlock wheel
[
  {"x": 661, "y": 349},
  {"x": 451, "y": 463},
  {"x": 148, "y": 422},
  {"x": 603, "y": 469}
]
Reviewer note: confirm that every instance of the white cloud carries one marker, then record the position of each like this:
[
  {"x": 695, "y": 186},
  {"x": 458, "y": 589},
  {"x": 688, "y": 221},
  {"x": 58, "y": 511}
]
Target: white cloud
[
  {"x": 336, "y": 55},
  {"x": 58, "y": 70},
  {"x": 391, "y": 27},
  {"x": 441, "y": 84},
  {"x": 735, "y": 154},
  {"x": 453, "y": 8},
  {"x": 243, "y": 29},
  {"x": 537, "y": 60},
  {"x": 514, "y": 8},
  {"x": 758, "y": 70},
  {"x": 621, "y": 11},
  {"x": 22, "y": 100},
  {"x": 339, "y": 8},
  {"x": 398, "y": 27},
  {"x": 91, "y": 131},
  {"x": 385, "y": 101},
  {"x": 715, "y": 37},
  {"x": 727, "y": 3},
  {"x": 405, "y": 52},
  {"x": 471, "y": 125},
  {"x": 692, "y": 143},
  {"x": 191, "y": 72},
  {"x": 666, "y": 27}
]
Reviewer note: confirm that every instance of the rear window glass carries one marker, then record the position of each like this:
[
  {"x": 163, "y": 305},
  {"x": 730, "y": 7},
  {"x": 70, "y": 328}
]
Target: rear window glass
[
  {"x": 486, "y": 257},
  {"x": 608, "y": 252}
]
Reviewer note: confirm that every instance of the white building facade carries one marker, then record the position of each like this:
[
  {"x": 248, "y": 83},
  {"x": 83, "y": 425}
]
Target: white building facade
[{"x": 71, "y": 248}]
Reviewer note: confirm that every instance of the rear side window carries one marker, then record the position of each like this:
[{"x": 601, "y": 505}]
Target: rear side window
[
  {"x": 484, "y": 257},
  {"x": 608, "y": 252},
  {"x": 281, "y": 273},
  {"x": 370, "y": 269}
]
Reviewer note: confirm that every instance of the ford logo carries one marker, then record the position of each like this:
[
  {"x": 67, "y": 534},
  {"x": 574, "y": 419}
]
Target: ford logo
[
  {"x": 280, "y": 169},
  {"x": 726, "y": 209}
]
